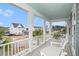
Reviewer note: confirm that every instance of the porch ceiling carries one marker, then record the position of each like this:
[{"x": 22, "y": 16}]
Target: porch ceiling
[{"x": 53, "y": 10}]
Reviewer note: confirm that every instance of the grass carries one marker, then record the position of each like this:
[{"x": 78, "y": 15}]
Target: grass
[{"x": 6, "y": 40}]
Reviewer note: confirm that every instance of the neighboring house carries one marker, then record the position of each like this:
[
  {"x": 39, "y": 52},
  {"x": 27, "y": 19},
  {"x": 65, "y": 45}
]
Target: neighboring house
[
  {"x": 16, "y": 29},
  {"x": 57, "y": 27},
  {"x": 26, "y": 32}
]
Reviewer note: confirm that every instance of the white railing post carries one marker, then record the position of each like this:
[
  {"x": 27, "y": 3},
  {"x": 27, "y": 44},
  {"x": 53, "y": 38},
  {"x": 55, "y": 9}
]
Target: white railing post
[
  {"x": 67, "y": 34},
  {"x": 30, "y": 18},
  {"x": 12, "y": 49},
  {"x": 15, "y": 47},
  {"x": 50, "y": 30},
  {"x": 44, "y": 30},
  {"x": 18, "y": 46},
  {"x": 4, "y": 50},
  {"x": 8, "y": 49}
]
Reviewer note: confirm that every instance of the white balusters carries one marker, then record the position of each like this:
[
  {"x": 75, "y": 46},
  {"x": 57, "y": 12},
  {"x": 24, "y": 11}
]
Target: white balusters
[
  {"x": 11, "y": 49},
  {"x": 8, "y": 49},
  {"x": 24, "y": 44},
  {"x": 15, "y": 47},
  {"x": 4, "y": 50},
  {"x": 18, "y": 46}
]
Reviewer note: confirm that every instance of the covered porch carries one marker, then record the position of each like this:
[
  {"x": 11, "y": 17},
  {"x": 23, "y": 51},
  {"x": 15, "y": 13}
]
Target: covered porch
[{"x": 48, "y": 12}]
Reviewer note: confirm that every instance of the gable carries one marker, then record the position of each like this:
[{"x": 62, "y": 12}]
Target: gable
[{"x": 17, "y": 25}]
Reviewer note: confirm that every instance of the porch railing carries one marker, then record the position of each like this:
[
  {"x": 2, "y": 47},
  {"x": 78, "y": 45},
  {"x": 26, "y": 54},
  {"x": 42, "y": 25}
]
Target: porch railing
[
  {"x": 37, "y": 41},
  {"x": 14, "y": 48},
  {"x": 20, "y": 47}
]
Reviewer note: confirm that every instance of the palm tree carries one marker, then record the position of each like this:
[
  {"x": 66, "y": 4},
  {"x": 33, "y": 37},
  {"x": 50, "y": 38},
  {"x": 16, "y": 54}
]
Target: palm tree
[{"x": 37, "y": 33}]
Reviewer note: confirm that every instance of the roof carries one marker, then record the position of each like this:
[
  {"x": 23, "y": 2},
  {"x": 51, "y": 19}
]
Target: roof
[{"x": 17, "y": 24}]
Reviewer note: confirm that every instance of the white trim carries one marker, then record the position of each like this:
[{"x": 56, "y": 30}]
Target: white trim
[
  {"x": 30, "y": 18},
  {"x": 50, "y": 31},
  {"x": 73, "y": 51},
  {"x": 44, "y": 30},
  {"x": 73, "y": 23}
]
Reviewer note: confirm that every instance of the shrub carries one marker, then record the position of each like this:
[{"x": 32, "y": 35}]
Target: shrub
[
  {"x": 1, "y": 34},
  {"x": 64, "y": 30},
  {"x": 37, "y": 32},
  {"x": 7, "y": 40},
  {"x": 56, "y": 35}
]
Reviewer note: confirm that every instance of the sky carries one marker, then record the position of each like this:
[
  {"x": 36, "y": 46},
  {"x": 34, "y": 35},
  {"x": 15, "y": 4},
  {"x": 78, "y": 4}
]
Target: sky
[
  {"x": 11, "y": 14},
  {"x": 61, "y": 23}
]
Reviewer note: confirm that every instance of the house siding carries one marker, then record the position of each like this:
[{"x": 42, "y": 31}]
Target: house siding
[
  {"x": 77, "y": 29},
  {"x": 16, "y": 30}
]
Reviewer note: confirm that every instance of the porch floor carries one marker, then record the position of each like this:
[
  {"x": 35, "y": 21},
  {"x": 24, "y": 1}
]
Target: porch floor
[{"x": 36, "y": 52}]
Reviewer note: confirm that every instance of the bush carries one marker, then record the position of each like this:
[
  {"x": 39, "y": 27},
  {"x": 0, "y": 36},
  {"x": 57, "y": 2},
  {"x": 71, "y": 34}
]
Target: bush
[
  {"x": 56, "y": 35},
  {"x": 1, "y": 34},
  {"x": 37, "y": 32},
  {"x": 64, "y": 30},
  {"x": 7, "y": 40}
]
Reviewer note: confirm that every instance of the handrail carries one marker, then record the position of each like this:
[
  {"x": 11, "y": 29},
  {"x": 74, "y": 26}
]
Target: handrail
[
  {"x": 38, "y": 36},
  {"x": 13, "y": 42},
  {"x": 17, "y": 45},
  {"x": 18, "y": 41}
]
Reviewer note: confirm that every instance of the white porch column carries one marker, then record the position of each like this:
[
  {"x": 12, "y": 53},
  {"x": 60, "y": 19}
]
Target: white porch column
[
  {"x": 30, "y": 18},
  {"x": 50, "y": 30},
  {"x": 67, "y": 34},
  {"x": 44, "y": 30}
]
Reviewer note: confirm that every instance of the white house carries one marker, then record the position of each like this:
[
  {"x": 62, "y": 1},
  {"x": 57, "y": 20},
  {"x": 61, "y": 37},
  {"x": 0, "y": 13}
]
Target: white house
[{"x": 16, "y": 29}]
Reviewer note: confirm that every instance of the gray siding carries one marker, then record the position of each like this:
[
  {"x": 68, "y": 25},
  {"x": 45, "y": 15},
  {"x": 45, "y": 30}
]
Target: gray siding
[{"x": 77, "y": 29}]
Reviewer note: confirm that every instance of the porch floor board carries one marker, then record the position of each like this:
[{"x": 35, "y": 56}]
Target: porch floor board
[{"x": 36, "y": 52}]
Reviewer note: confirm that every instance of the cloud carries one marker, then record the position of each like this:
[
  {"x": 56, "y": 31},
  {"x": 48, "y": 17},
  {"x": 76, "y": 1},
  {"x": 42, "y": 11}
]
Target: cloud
[
  {"x": 1, "y": 24},
  {"x": 1, "y": 11},
  {"x": 6, "y": 12}
]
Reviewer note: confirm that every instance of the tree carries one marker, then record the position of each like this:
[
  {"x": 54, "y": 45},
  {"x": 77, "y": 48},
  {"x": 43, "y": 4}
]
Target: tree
[
  {"x": 37, "y": 32},
  {"x": 1, "y": 34}
]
